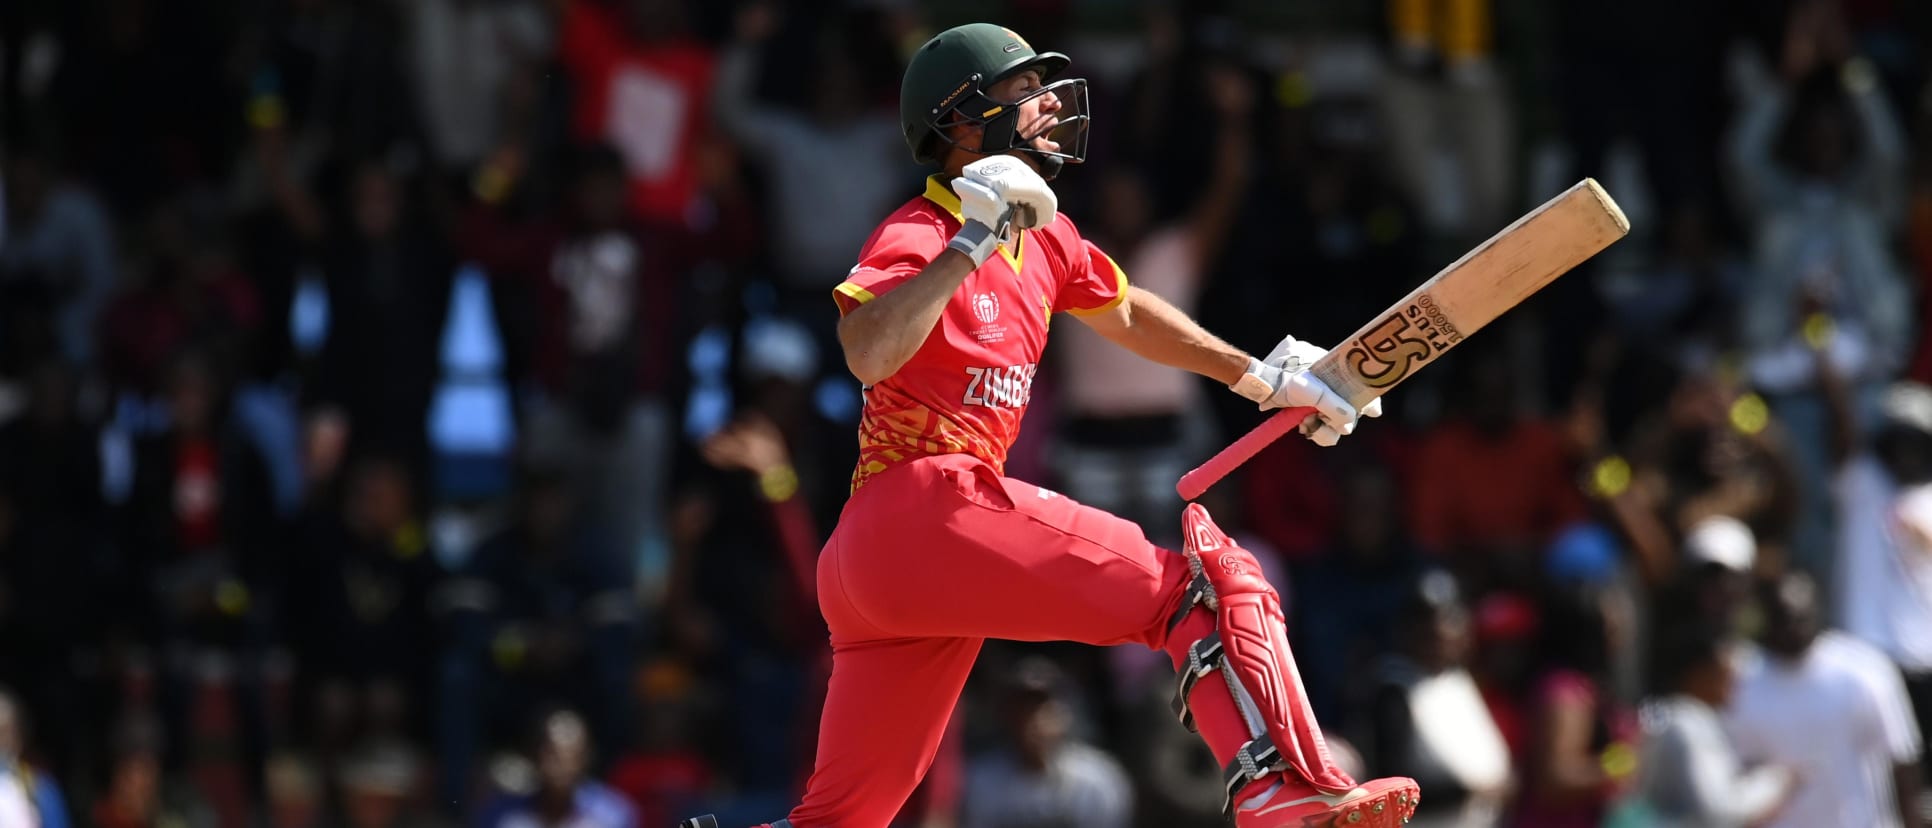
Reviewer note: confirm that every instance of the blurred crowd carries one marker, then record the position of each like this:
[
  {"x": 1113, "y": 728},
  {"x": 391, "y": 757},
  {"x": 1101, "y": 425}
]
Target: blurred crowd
[{"x": 428, "y": 412}]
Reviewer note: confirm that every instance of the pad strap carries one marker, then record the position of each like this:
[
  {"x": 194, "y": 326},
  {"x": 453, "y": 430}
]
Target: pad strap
[
  {"x": 1203, "y": 657},
  {"x": 1199, "y": 593},
  {"x": 1254, "y": 760}
]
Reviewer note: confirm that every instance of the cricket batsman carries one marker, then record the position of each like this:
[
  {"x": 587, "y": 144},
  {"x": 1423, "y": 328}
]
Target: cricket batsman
[{"x": 943, "y": 320}]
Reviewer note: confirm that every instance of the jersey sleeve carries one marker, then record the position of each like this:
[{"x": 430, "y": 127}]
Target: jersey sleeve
[
  {"x": 1093, "y": 282},
  {"x": 896, "y": 252}
]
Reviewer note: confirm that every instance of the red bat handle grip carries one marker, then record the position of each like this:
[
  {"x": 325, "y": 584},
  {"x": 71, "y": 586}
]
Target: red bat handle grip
[{"x": 1240, "y": 451}]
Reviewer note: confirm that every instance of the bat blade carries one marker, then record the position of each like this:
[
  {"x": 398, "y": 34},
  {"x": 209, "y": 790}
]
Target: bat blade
[{"x": 1470, "y": 293}]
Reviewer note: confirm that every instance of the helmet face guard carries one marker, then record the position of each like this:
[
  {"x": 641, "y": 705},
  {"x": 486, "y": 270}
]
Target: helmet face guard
[{"x": 1002, "y": 131}]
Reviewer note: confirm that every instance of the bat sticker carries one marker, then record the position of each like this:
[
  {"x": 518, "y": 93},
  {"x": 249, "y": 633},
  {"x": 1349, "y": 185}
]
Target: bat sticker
[{"x": 1388, "y": 352}]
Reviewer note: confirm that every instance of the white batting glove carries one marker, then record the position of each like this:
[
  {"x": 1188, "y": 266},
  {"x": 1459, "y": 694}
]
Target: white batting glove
[
  {"x": 995, "y": 194},
  {"x": 1282, "y": 380}
]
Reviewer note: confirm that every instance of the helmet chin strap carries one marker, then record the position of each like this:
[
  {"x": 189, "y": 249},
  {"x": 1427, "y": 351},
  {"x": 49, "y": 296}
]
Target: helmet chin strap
[{"x": 1050, "y": 165}]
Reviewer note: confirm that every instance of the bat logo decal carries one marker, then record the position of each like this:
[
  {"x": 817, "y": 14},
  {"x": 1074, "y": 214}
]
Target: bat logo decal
[{"x": 1387, "y": 353}]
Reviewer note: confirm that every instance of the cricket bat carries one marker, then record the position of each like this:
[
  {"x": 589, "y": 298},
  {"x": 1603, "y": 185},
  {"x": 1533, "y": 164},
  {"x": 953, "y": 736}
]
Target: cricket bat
[{"x": 1487, "y": 281}]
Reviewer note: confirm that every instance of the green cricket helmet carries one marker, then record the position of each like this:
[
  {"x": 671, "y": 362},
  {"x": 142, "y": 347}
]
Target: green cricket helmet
[{"x": 946, "y": 83}]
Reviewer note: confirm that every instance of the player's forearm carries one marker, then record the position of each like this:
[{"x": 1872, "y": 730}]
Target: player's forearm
[
  {"x": 1160, "y": 332},
  {"x": 880, "y": 335}
]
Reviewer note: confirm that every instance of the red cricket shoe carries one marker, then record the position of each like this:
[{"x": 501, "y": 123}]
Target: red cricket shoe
[{"x": 1379, "y": 803}]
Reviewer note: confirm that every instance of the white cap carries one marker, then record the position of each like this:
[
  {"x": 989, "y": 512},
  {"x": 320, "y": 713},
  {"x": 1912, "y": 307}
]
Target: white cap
[
  {"x": 1722, "y": 540},
  {"x": 778, "y": 349},
  {"x": 1908, "y": 404}
]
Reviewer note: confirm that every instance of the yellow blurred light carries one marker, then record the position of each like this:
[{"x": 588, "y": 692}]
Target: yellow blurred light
[
  {"x": 410, "y": 540},
  {"x": 779, "y": 484},
  {"x": 1749, "y": 414},
  {"x": 1293, "y": 90},
  {"x": 1818, "y": 329},
  {"x": 266, "y": 112},
  {"x": 1619, "y": 760},
  {"x": 1611, "y": 477},
  {"x": 231, "y": 597},
  {"x": 491, "y": 184},
  {"x": 509, "y": 649}
]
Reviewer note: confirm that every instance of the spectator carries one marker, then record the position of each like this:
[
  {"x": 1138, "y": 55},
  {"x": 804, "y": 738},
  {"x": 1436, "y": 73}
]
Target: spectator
[
  {"x": 1492, "y": 485},
  {"x": 544, "y": 611},
  {"x": 1345, "y": 606},
  {"x": 599, "y": 294},
  {"x": 186, "y": 293},
  {"x": 1681, "y": 310},
  {"x": 1446, "y": 96},
  {"x": 28, "y": 797},
  {"x": 379, "y": 787},
  {"x": 667, "y": 773},
  {"x": 328, "y": 83},
  {"x": 1042, "y": 777},
  {"x": 1712, "y": 449},
  {"x": 1580, "y": 746},
  {"x": 358, "y": 612},
  {"x": 1884, "y": 500},
  {"x": 1818, "y": 163},
  {"x": 564, "y": 794},
  {"x": 57, "y": 264},
  {"x": 1323, "y": 208},
  {"x": 839, "y": 139},
  {"x": 470, "y": 64},
  {"x": 389, "y": 278},
  {"x": 1833, "y": 710},
  {"x": 198, "y": 531},
  {"x": 751, "y": 529},
  {"x": 1128, "y": 420},
  {"x": 1690, "y": 775},
  {"x": 1428, "y": 721},
  {"x": 138, "y": 793},
  {"x": 58, "y": 565},
  {"x": 1506, "y": 626},
  {"x": 643, "y": 85},
  {"x": 1713, "y": 589}
]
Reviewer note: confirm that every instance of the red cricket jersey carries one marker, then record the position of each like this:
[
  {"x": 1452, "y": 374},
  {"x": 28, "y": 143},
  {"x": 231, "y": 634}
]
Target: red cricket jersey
[{"x": 966, "y": 388}]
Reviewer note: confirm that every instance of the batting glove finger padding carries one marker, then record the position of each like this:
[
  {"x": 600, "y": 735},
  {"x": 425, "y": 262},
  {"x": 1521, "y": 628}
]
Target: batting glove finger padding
[{"x": 1017, "y": 186}]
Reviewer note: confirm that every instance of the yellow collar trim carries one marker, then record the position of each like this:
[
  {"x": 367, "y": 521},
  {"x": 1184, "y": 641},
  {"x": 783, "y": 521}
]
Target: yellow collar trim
[{"x": 939, "y": 193}]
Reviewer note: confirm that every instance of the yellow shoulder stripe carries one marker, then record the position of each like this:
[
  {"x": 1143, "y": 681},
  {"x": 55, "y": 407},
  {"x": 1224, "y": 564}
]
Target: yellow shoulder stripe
[{"x": 1120, "y": 290}]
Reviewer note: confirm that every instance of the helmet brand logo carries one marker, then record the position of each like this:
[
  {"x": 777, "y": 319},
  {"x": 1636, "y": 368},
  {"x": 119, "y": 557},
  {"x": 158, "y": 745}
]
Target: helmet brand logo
[{"x": 953, "y": 97}]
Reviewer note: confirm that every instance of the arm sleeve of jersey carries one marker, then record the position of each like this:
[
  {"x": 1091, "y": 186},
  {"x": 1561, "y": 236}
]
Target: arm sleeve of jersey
[
  {"x": 895, "y": 254},
  {"x": 1094, "y": 283}
]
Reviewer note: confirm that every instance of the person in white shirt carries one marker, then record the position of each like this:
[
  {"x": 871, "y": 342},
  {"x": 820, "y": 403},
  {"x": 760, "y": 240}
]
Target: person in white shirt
[
  {"x": 1428, "y": 720},
  {"x": 1884, "y": 502},
  {"x": 1833, "y": 710},
  {"x": 1689, "y": 773}
]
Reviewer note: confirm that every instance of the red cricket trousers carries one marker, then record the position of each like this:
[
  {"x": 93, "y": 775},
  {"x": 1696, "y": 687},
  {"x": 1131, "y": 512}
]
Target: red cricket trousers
[{"x": 928, "y": 560}]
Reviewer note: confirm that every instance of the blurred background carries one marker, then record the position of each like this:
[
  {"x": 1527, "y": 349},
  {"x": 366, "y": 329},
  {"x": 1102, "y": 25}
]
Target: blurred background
[{"x": 427, "y": 412}]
